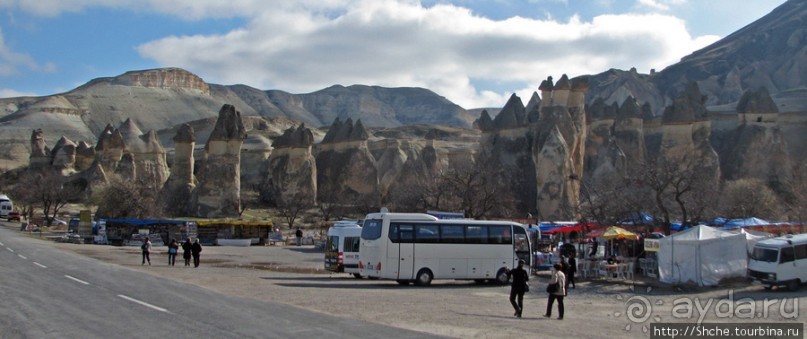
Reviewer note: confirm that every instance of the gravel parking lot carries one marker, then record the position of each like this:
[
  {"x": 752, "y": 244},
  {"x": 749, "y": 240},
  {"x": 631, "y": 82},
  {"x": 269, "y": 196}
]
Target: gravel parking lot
[{"x": 295, "y": 276}]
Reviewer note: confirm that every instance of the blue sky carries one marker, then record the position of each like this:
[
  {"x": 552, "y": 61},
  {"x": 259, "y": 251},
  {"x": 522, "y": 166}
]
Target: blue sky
[{"x": 475, "y": 53}]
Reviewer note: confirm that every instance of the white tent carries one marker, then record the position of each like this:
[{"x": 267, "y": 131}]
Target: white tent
[
  {"x": 702, "y": 255},
  {"x": 752, "y": 237}
]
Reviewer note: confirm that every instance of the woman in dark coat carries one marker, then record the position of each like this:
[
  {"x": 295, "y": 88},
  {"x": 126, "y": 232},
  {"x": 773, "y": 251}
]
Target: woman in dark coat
[{"x": 186, "y": 251}]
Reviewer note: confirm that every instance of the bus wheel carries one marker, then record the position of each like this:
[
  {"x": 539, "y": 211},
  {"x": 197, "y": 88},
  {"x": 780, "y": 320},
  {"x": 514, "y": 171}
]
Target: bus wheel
[
  {"x": 403, "y": 282},
  {"x": 767, "y": 287},
  {"x": 424, "y": 277},
  {"x": 793, "y": 285},
  {"x": 357, "y": 276},
  {"x": 502, "y": 277}
]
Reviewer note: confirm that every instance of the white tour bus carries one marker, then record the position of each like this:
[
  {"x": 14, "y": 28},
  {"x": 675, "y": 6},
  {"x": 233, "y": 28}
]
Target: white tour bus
[
  {"x": 6, "y": 205},
  {"x": 780, "y": 261},
  {"x": 414, "y": 247},
  {"x": 342, "y": 248}
]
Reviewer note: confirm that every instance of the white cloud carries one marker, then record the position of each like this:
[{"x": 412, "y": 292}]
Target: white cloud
[
  {"x": 12, "y": 93},
  {"x": 305, "y": 45},
  {"x": 11, "y": 61},
  {"x": 400, "y": 43}
]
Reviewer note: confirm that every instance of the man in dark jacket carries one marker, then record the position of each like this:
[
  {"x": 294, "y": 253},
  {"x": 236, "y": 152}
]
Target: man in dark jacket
[
  {"x": 186, "y": 251},
  {"x": 196, "y": 249},
  {"x": 518, "y": 287}
]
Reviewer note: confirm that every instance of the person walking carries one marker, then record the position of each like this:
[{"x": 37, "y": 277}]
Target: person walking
[
  {"x": 196, "y": 250},
  {"x": 173, "y": 248},
  {"x": 186, "y": 251},
  {"x": 556, "y": 290},
  {"x": 518, "y": 287},
  {"x": 571, "y": 269},
  {"x": 146, "y": 247},
  {"x": 299, "y": 236},
  {"x": 594, "y": 245}
]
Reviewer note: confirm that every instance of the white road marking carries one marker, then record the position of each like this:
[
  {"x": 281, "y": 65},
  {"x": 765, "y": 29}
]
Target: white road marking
[
  {"x": 40, "y": 265},
  {"x": 143, "y": 303},
  {"x": 21, "y": 256},
  {"x": 10, "y": 250},
  {"x": 2, "y": 244},
  {"x": 76, "y": 279}
]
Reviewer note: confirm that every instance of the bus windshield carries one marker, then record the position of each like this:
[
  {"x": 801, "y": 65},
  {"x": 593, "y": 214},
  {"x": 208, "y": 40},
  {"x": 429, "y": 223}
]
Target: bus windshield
[
  {"x": 371, "y": 229},
  {"x": 333, "y": 244},
  {"x": 765, "y": 254}
]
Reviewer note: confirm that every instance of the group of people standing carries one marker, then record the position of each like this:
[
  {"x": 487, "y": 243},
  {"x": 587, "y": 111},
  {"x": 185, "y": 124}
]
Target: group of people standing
[
  {"x": 557, "y": 287},
  {"x": 189, "y": 250}
]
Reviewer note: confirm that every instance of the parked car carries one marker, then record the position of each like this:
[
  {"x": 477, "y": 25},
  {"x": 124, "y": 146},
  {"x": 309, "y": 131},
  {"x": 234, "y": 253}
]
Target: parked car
[
  {"x": 54, "y": 221},
  {"x": 13, "y": 216}
]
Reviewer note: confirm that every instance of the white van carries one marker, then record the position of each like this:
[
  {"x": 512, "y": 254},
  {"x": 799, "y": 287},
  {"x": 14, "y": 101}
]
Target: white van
[
  {"x": 342, "y": 248},
  {"x": 780, "y": 261},
  {"x": 6, "y": 206}
]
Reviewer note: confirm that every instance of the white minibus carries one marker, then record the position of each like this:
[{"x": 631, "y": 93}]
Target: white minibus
[
  {"x": 780, "y": 261},
  {"x": 342, "y": 248},
  {"x": 414, "y": 247},
  {"x": 6, "y": 205}
]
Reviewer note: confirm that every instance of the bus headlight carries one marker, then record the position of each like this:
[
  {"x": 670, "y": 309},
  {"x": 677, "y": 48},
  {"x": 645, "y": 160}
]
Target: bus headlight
[{"x": 772, "y": 276}]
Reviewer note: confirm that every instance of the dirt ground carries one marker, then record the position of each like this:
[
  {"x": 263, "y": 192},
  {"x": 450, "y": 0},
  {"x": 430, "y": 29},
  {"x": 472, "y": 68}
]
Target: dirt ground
[{"x": 594, "y": 309}]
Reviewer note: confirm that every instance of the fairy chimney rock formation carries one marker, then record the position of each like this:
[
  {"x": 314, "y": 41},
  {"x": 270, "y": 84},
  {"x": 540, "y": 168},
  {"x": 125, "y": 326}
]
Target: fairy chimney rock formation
[
  {"x": 291, "y": 169},
  {"x": 40, "y": 153},
  {"x": 757, "y": 107},
  {"x": 85, "y": 156},
  {"x": 109, "y": 149},
  {"x": 177, "y": 192},
  {"x": 148, "y": 154},
  {"x": 345, "y": 161},
  {"x": 219, "y": 191},
  {"x": 64, "y": 156}
]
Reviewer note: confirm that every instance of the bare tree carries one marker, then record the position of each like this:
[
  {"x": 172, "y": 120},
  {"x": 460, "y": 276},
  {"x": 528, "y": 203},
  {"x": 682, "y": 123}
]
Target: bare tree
[
  {"x": 473, "y": 189},
  {"x": 605, "y": 200},
  {"x": 330, "y": 201},
  {"x": 292, "y": 207},
  {"x": 749, "y": 197},
  {"x": 124, "y": 198},
  {"x": 20, "y": 182},
  {"x": 797, "y": 199},
  {"x": 51, "y": 191},
  {"x": 690, "y": 183},
  {"x": 420, "y": 193},
  {"x": 658, "y": 177}
]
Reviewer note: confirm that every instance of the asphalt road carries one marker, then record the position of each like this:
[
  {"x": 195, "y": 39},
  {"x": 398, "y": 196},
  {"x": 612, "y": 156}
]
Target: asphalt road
[{"x": 50, "y": 293}]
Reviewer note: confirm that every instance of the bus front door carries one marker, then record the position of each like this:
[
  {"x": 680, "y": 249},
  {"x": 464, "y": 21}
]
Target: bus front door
[{"x": 406, "y": 253}]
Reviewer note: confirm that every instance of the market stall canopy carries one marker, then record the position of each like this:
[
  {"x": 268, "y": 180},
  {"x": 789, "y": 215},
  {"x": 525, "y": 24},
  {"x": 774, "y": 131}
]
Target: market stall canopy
[{"x": 614, "y": 232}]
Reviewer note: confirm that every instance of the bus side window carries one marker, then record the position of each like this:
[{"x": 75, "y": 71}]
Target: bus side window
[
  {"x": 786, "y": 255},
  {"x": 393, "y": 233},
  {"x": 352, "y": 244},
  {"x": 801, "y": 252},
  {"x": 476, "y": 234}
]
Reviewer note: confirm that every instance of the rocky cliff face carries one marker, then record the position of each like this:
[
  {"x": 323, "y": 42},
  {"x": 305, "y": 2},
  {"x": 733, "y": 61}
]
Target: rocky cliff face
[
  {"x": 758, "y": 148},
  {"x": 161, "y": 78},
  {"x": 767, "y": 53},
  {"x": 540, "y": 154}
]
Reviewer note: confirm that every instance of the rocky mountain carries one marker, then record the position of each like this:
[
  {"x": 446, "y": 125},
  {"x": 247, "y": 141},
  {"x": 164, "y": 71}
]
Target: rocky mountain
[
  {"x": 165, "y": 98},
  {"x": 737, "y": 107},
  {"x": 770, "y": 52}
]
